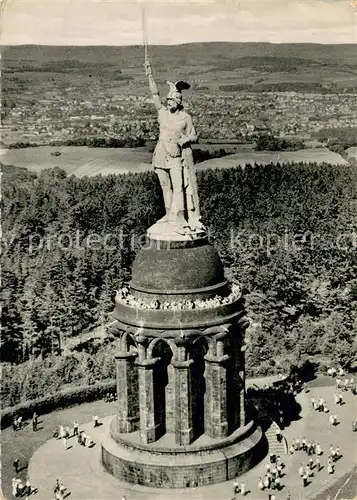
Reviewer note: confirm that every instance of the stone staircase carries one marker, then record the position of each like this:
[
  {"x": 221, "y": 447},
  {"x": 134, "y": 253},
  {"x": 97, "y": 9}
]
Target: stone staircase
[{"x": 274, "y": 445}]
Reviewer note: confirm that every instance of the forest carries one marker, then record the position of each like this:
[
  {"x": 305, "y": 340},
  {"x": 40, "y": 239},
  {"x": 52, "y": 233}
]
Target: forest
[{"x": 287, "y": 233}]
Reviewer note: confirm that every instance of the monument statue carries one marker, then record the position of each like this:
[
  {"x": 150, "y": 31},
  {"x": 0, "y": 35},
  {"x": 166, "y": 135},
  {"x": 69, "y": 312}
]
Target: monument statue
[
  {"x": 182, "y": 416},
  {"x": 173, "y": 162}
]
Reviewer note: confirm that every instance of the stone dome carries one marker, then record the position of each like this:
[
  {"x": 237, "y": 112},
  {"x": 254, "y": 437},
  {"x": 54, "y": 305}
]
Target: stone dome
[{"x": 178, "y": 268}]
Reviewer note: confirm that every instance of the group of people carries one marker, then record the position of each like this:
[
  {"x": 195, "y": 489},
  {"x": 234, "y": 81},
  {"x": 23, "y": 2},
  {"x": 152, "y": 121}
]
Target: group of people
[
  {"x": 18, "y": 487},
  {"x": 64, "y": 433},
  {"x": 309, "y": 447},
  {"x": 125, "y": 296},
  {"x": 21, "y": 489},
  {"x": 17, "y": 422},
  {"x": 319, "y": 405},
  {"x": 59, "y": 490},
  {"x": 110, "y": 397},
  {"x": 273, "y": 473},
  {"x": 85, "y": 440},
  {"x": 306, "y": 472},
  {"x": 344, "y": 385},
  {"x": 333, "y": 419},
  {"x": 239, "y": 488}
]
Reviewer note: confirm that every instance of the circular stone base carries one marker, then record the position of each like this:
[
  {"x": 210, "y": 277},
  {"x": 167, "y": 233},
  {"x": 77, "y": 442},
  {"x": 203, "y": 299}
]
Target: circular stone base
[
  {"x": 181, "y": 467},
  {"x": 168, "y": 231}
]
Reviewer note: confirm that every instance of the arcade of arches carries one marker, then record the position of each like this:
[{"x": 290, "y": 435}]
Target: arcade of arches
[{"x": 186, "y": 386}]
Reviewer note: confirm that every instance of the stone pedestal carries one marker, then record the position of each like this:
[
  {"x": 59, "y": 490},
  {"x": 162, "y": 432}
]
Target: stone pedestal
[{"x": 184, "y": 373}]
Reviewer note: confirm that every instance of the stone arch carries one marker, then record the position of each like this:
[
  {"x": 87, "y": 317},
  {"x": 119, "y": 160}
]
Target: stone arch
[
  {"x": 154, "y": 346},
  {"x": 164, "y": 384},
  {"x": 128, "y": 343},
  {"x": 198, "y": 350},
  {"x": 201, "y": 343}
]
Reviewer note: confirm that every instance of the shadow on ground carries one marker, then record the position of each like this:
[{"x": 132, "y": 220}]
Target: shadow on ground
[{"x": 274, "y": 403}]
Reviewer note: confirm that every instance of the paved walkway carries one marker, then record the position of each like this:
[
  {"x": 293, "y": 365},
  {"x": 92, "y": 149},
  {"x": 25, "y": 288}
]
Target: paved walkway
[{"x": 85, "y": 478}]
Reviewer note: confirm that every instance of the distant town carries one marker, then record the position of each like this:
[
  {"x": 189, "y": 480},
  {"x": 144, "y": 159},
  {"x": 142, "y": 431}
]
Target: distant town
[{"x": 61, "y": 115}]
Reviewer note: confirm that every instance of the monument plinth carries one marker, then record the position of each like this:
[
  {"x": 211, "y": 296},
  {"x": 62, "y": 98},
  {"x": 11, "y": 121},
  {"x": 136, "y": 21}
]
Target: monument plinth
[{"x": 181, "y": 419}]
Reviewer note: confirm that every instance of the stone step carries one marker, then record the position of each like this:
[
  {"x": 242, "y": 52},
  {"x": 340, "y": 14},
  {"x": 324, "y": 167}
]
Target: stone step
[{"x": 274, "y": 445}]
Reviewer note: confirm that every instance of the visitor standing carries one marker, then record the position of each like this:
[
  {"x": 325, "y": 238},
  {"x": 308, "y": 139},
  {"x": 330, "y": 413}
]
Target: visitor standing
[
  {"x": 266, "y": 482},
  {"x": 303, "y": 442},
  {"x": 308, "y": 471},
  {"x": 62, "y": 488},
  {"x": 16, "y": 465},
  {"x": 235, "y": 486},
  {"x": 19, "y": 487},
  {"x": 301, "y": 470},
  {"x": 277, "y": 483},
  {"x": 96, "y": 420},
  {"x": 75, "y": 428},
  {"x": 61, "y": 432},
  {"x": 304, "y": 480},
  {"x": 14, "y": 486}
]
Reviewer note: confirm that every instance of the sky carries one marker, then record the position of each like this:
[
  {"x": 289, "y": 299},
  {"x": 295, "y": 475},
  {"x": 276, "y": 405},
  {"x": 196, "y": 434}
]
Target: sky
[{"x": 115, "y": 22}]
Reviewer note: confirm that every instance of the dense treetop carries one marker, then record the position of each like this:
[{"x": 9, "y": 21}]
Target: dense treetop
[{"x": 288, "y": 233}]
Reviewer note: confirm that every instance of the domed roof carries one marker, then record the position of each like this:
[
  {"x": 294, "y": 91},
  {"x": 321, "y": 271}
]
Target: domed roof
[{"x": 184, "y": 267}]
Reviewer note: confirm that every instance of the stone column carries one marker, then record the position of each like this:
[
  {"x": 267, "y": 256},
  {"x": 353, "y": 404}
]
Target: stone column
[
  {"x": 216, "y": 424},
  {"x": 148, "y": 421},
  {"x": 243, "y": 324},
  {"x": 242, "y": 386},
  {"x": 216, "y": 407},
  {"x": 127, "y": 391},
  {"x": 183, "y": 402}
]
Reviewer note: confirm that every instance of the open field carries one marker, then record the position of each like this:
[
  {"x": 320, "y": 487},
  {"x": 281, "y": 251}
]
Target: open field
[
  {"x": 83, "y": 161},
  {"x": 318, "y": 155},
  {"x": 80, "y": 161}
]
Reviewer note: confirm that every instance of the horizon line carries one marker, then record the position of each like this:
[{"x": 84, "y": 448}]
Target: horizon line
[{"x": 171, "y": 44}]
